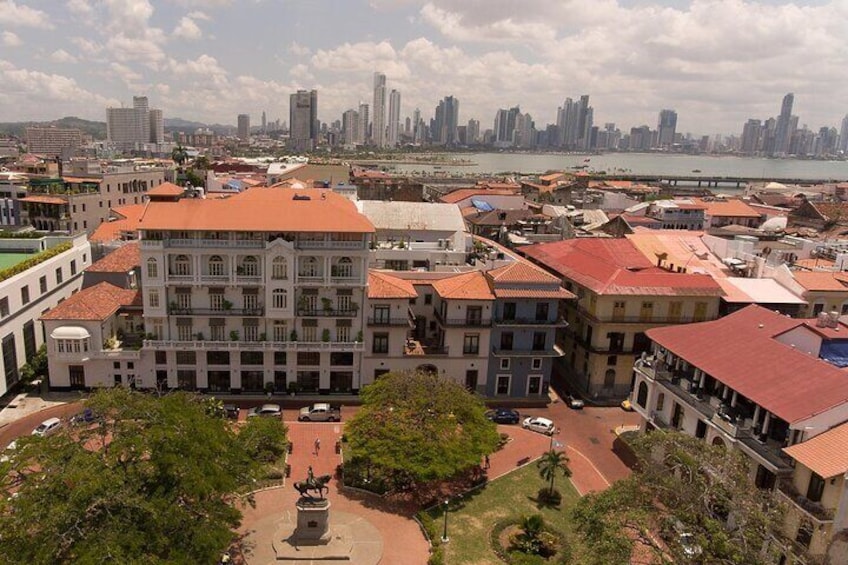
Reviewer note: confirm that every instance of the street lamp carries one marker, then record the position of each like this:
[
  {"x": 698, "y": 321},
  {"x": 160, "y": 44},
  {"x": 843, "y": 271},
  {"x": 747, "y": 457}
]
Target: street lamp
[{"x": 445, "y": 532}]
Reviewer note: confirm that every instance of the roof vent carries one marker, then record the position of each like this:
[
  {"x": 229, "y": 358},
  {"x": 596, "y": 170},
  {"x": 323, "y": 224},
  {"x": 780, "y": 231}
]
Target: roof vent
[
  {"x": 761, "y": 326},
  {"x": 301, "y": 197}
]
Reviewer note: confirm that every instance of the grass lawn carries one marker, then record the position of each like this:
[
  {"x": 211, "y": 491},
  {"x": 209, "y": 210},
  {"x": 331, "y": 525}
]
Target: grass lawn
[{"x": 471, "y": 518}]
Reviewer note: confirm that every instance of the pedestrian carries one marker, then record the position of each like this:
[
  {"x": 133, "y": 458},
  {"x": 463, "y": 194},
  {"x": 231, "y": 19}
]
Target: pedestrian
[
  {"x": 486, "y": 462},
  {"x": 317, "y": 445}
]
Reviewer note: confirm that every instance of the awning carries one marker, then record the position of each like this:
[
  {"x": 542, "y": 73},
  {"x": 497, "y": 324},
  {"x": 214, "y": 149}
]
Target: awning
[
  {"x": 835, "y": 352},
  {"x": 481, "y": 205},
  {"x": 70, "y": 332}
]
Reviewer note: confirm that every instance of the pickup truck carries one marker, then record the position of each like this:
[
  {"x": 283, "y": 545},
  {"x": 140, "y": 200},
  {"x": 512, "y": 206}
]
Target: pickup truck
[{"x": 321, "y": 412}]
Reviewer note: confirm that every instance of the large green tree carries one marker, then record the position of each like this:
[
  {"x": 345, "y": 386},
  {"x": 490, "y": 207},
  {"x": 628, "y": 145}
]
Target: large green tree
[
  {"x": 682, "y": 485},
  {"x": 421, "y": 427},
  {"x": 152, "y": 482}
]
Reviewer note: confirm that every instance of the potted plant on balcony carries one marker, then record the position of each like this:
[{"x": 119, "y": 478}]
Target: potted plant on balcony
[
  {"x": 293, "y": 335},
  {"x": 269, "y": 388},
  {"x": 359, "y": 336},
  {"x": 327, "y": 304},
  {"x": 226, "y": 305},
  {"x": 325, "y": 335},
  {"x": 263, "y": 337},
  {"x": 199, "y": 336},
  {"x": 234, "y": 335},
  {"x": 293, "y": 388},
  {"x": 302, "y": 303}
]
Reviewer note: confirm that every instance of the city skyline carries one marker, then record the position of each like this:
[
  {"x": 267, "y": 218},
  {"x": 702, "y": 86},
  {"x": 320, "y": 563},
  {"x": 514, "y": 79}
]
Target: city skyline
[{"x": 77, "y": 57}]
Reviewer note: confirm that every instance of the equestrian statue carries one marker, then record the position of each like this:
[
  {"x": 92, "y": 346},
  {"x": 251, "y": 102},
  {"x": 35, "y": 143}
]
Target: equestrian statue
[{"x": 313, "y": 483}]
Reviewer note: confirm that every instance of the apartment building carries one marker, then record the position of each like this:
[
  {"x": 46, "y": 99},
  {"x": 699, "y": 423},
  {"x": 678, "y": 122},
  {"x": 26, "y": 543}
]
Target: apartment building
[
  {"x": 770, "y": 386},
  {"x": 36, "y": 274},
  {"x": 620, "y": 296}
]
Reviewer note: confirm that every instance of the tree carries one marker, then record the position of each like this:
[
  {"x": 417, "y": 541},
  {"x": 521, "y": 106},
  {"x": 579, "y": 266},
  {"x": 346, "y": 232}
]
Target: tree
[
  {"x": 179, "y": 155},
  {"x": 152, "y": 482},
  {"x": 264, "y": 438},
  {"x": 36, "y": 367},
  {"x": 420, "y": 427},
  {"x": 682, "y": 484},
  {"x": 550, "y": 464}
]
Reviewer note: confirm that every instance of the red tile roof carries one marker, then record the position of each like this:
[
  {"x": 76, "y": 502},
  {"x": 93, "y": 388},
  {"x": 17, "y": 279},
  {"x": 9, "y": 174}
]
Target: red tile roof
[
  {"x": 733, "y": 208},
  {"x": 384, "y": 285},
  {"x": 260, "y": 209},
  {"x": 825, "y": 454},
  {"x": 465, "y": 286},
  {"x": 464, "y": 193},
  {"x": 166, "y": 189},
  {"x": 95, "y": 303},
  {"x": 558, "y": 294},
  {"x": 44, "y": 200},
  {"x": 121, "y": 260},
  {"x": 127, "y": 222},
  {"x": 522, "y": 271},
  {"x": 740, "y": 351},
  {"x": 820, "y": 281},
  {"x": 616, "y": 267}
]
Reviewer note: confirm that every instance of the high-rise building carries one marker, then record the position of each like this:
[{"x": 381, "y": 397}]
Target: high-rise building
[
  {"x": 445, "y": 122},
  {"x": 303, "y": 120},
  {"x": 243, "y": 127},
  {"x": 264, "y": 123},
  {"x": 364, "y": 120},
  {"x": 52, "y": 141},
  {"x": 157, "y": 126},
  {"x": 843, "y": 135},
  {"x": 417, "y": 126},
  {"x": 783, "y": 130},
  {"x": 130, "y": 128},
  {"x": 574, "y": 124},
  {"x": 350, "y": 127},
  {"x": 666, "y": 128},
  {"x": 378, "y": 128},
  {"x": 472, "y": 132},
  {"x": 752, "y": 134},
  {"x": 394, "y": 118}
]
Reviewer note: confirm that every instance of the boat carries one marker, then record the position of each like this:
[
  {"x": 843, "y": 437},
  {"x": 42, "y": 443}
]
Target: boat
[{"x": 696, "y": 170}]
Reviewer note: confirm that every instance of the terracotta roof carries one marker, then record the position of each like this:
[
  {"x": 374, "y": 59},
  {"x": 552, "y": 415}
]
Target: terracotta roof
[
  {"x": 728, "y": 208},
  {"x": 522, "y": 271},
  {"x": 95, "y": 303},
  {"x": 559, "y": 293},
  {"x": 465, "y": 286},
  {"x": 833, "y": 211},
  {"x": 44, "y": 200},
  {"x": 166, "y": 189},
  {"x": 740, "y": 351},
  {"x": 552, "y": 177},
  {"x": 127, "y": 222},
  {"x": 121, "y": 260},
  {"x": 80, "y": 179},
  {"x": 819, "y": 262},
  {"x": 825, "y": 454},
  {"x": 818, "y": 281},
  {"x": 464, "y": 193},
  {"x": 384, "y": 285},
  {"x": 617, "y": 267},
  {"x": 260, "y": 209}
]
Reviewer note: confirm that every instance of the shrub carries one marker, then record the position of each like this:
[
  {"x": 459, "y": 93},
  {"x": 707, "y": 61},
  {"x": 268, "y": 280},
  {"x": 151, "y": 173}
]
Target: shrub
[
  {"x": 264, "y": 439},
  {"x": 19, "y": 268}
]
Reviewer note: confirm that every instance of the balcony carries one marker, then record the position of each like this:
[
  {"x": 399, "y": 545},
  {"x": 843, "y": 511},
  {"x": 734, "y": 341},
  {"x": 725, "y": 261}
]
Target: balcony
[
  {"x": 732, "y": 427},
  {"x": 467, "y": 321},
  {"x": 388, "y": 321},
  {"x": 351, "y": 346},
  {"x": 414, "y": 348},
  {"x": 256, "y": 312},
  {"x": 352, "y": 280},
  {"x": 310, "y": 278},
  {"x": 531, "y": 322},
  {"x": 554, "y": 351},
  {"x": 328, "y": 244},
  {"x": 818, "y": 514},
  {"x": 622, "y": 319},
  {"x": 220, "y": 243},
  {"x": 326, "y": 313},
  {"x": 653, "y": 369}
]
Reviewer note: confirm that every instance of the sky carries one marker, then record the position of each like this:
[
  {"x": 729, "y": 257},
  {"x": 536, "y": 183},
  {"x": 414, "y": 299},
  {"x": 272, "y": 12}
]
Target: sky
[{"x": 716, "y": 62}]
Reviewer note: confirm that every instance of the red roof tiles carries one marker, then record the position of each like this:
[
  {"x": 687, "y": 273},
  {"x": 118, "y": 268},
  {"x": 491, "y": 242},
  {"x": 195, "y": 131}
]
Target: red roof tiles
[
  {"x": 95, "y": 303},
  {"x": 128, "y": 222},
  {"x": 825, "y": 454},
  {"x": 466, "y": 286},
  {"x": 121, "y": 260},
  {"x": 384, "y": 285}
]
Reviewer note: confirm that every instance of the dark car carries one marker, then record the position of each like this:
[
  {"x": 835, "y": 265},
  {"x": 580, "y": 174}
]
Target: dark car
[
  {"x": 231, "y": 411},
  {"x": 87, "y": 416},
  {"x": 503, "y": 416}
]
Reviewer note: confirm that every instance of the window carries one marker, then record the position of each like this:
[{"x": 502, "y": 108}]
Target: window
[
  {"x": 280, "y": 358},
  {"x": 473, "y": 315},
  {"x": 186, "y": 357},
  {"x": 502, "y": 384},
  {"x": 616, "y": 342},
  {"x": 216, "y": 266},
  {"x": 343, "y": 269},
  {"x": 216, "y": 299},
  {"x": 217, "y": 329},
  {"x": 380, "y": 372},
  {"x": 280, "y": 331},
  {"x": 59, "y": 275},
  {"x": 311, "y": 358},
  {"x": 252, "y": 358},
  {"x": 505, "y": 364},
  {"x": 73, "y": 267},
  {"x": 815, "y": 488},
  {"x": 182, "y": 266},
  {"x": 217, "y": 357},
  {"x": 660, "y": 402},
  {"x": 42, "y": 284},
  {"x": 309, "y": 267},
  {"x": 280, "y": 298},
  {"x": 805, "y": 534},
  {"x": 344, "y": 302},
  {"x": 76, "y": 374},
  {"x": 161, "y": 357},
  {"x": 506, "y": 341},
  {"x": 612, "y": 361},
  {"x": 341, "y": 358},
  {"x": 184, "y": 298},
  {"x": 428, "y": 299},
  {"x": 536, "y": 363},
  {"x": 609, "y": 378},
  {"x": 310, "y": 330},
  {"x": 534, "y": 385},
  {"x": 342, "y": 331},
  {"x": 471, "y": 344},
  {"x": 116, "y": 365},
  {"x": 642, "y": 396},
  {"x": 540, "y": 341},
  {"x": 509, "y": 311},
  {"x": 382, "y": 314},
  {"x": 153, "y": 297},
  {"x": 185, "y": 332},
  {"x": 250, "y": 296},
  {"x": 187, "y": 379},
  {"x": 542, "y": 311},
  {"x": 280, "y": 269},
  {"x": 152, "y": 268},
  {"x": 251, "y": 330},
  {"x": 249, "y": 267},
  {"x": 380, "y": 343},
  {"x": 4, "y": 306}
]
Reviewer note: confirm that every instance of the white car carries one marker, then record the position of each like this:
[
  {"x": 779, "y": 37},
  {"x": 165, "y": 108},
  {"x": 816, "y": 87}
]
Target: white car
[
  {"x": 47, "y": 427},
  {"x": 266, "y": 411},
  {"x": 541, "y": 425}
]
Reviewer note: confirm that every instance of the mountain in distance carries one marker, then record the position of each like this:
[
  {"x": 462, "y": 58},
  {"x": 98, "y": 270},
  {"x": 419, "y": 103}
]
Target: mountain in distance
[
  {"x": 97, "y": 130},
  {"x": 188, "y": 126}
]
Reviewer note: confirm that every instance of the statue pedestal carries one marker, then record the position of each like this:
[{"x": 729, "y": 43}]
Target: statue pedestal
[{"x": 313, "y": 521}]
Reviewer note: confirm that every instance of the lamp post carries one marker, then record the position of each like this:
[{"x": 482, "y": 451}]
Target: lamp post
[{"x": 445, "y": 532}]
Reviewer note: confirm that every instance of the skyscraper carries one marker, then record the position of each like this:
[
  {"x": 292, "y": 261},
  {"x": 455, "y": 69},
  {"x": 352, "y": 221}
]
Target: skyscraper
[
  {"x": 666, "y": 128},
  {"x": 303, "y": 120},
  {"x": 378, "y": 128},
  {"x": 752, "y": 134},
  {"x": 843, "y": 135},
  {"x": 472, "y": 132},
  {"x": 264, "y": 123},
  {"x": 350, "y": 127},
  {"x": 783, "y": 131},
  {"x": 243, "y": 131},
  {"x": 394, "y": 118},
  {"x": 129, "y": 128},
  {"x": 157, "y": 126},
  {"x": 364, "y": 120},
  {"x": 574, "y": 124},
  {"x": 446, "y": 121}
]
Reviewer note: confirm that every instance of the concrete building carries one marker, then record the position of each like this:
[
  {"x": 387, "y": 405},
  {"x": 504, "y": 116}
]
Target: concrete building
[
  {"x": 243, "y": 128},
  {"x": 378, "y": 127},
  {"x": 35, "y": 275},
  {"x": 13, "y": 188},
  {"x": 770, "y": 387},
  {"x": 303, "y": 120},
  {"x": 53, "y": 141},
  {"x": 620, "y": 295},
  {"x": 133, "y": 129},
  {"x": 394, "y": 118},
  {"x": 666, "y": 128}
]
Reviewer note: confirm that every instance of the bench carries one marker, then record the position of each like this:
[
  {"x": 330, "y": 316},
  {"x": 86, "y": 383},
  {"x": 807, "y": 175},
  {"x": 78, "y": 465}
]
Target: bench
[{"x": 523, "y": 461}]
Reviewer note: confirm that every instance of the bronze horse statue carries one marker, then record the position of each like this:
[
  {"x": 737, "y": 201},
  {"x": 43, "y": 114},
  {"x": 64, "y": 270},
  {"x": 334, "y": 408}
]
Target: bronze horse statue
[{"x": 318, "y": 484}]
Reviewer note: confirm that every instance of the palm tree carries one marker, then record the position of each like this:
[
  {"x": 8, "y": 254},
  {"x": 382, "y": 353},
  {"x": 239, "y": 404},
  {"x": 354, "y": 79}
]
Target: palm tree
[
  {"x": 179, "y": 155},
  {"x": 549, "y": 464}
]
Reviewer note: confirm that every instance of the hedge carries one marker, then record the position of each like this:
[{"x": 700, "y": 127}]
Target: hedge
[{"x": 31, "y": 262}]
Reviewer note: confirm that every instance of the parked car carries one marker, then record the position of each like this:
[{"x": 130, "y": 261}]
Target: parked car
[
  {"x": 503, "y": 416},
  {"x": 574, "y": 402},
  {"x": 87, "y": 416},
  {"x": 538, "y": 424},
  {"x": 231, "y": 411},
  {"x": 266, "y": 411},
  {"x": 47, "y": 427},
  {"x": 9, "y": 451},
  {"x": 626, "y": 405},
  {"x": 320, "y": 412}
]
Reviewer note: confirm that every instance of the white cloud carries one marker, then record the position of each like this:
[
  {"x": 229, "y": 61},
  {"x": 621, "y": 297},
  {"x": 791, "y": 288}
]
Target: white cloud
[
  {"x": 126, "y": 74},
  {"x": 79, "y": 7},
  {"x": 198, "y": 15},
  {"x": 11, "y": 39},
  {"x": 187, "y": 29},
  {"x": 20, "y": 15},
  {"x": 299, "y": 50},
  {"x": 87, "y": 46},
  {"x": 62, "y": 56}
]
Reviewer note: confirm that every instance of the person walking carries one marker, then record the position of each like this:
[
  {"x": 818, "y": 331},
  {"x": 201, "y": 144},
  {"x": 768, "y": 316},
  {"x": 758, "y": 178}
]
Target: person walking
[
  {"x": 317, "y": 445},
  {"x": 486, "y": 462}
]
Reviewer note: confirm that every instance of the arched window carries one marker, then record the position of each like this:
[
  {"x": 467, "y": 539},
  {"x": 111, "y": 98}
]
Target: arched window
[
  {"x": 343, "y": 268},
  {"x": 152, "y": 268},
  {"x": 719, "y": 442},
  {"x": 309, "y": 267},
  {"x": 660, "y": 401},
  {"x": 609, "y": 378},
  {"x": 249, "y": 266},
  {"x": 280, "y": 268},
  {"x": 642, "y": 397},
  {"x": 182, "y": 265},
  {"x": 216, "y": 265},
  {"x": 280, "y": 298}
]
